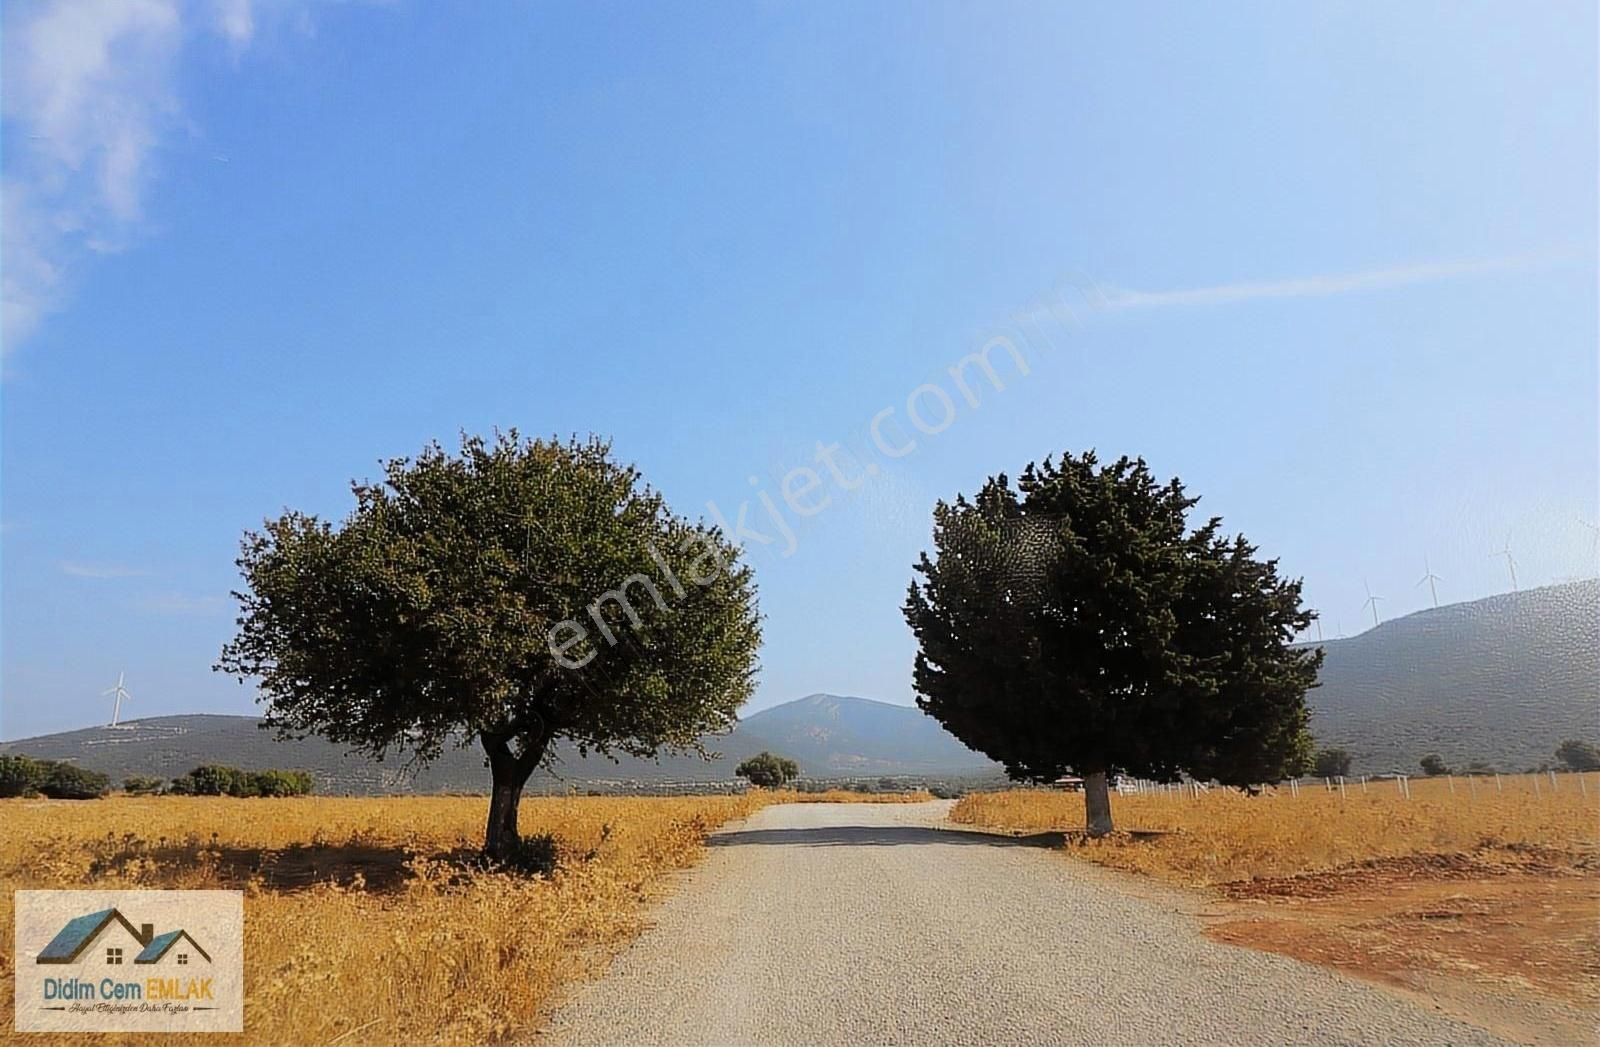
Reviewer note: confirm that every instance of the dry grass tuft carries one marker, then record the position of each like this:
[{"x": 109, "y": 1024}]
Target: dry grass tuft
[
  {"x": 1225, "y": 836},
  {"x": 360, "y": 910}
]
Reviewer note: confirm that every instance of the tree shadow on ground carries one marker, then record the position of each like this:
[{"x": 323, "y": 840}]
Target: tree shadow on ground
[
  {"x": 376, "y": 868},
  {"x": 380, "y": 868},
  {"x": 880, "y": 836}
]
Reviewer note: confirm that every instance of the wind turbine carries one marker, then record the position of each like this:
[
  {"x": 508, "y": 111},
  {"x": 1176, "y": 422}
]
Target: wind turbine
[
  {"x": 1429, "y": 577},
  {"x": 1511, "y": 561},
  {"x": 120, "y": 692},
  {"x": 1372, "y": 602}
]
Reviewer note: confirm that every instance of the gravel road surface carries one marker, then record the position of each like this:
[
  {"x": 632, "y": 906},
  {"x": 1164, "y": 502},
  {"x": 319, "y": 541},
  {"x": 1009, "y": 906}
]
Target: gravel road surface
[{"x": 876, "y": 923}]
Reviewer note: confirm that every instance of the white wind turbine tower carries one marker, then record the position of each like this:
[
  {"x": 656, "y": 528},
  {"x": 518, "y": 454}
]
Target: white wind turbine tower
[
  {"x": 120, "y": 692},
  {"x": 1430, "y": 578},
  {"x": 1372, "y": 602},
  {"x": 1511, "y": 561}
]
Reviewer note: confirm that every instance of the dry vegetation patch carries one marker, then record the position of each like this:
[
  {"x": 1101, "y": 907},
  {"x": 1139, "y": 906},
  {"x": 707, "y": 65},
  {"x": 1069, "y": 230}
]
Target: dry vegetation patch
[
  {"x": 359, "y": 913},
  {"x": 1491, "y": 886}
]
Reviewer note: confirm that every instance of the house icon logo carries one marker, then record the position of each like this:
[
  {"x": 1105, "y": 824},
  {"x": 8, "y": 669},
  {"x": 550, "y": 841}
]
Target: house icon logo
[
  {"x": 109, "y": 939},
  {"x": 140, "y": 961}
]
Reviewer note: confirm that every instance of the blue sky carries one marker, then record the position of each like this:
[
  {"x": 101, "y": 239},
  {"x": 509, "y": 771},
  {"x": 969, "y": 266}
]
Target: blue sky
[{"x": 1345, "y": 259}]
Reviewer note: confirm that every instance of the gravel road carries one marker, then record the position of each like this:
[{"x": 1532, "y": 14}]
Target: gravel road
[{"x": 872, "y": 923}]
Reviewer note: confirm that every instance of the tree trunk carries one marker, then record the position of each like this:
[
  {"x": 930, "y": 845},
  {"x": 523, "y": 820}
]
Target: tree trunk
[
  {"x": 1096, "y": 803},
  {"x": 501, "y": 838},
  {"x": 509, "y": 772}
]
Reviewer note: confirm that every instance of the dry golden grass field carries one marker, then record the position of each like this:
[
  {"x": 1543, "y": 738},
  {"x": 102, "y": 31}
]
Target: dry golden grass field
[
  {"x": 368, "y": 900},
  {"x": 1491, "y": 888}
]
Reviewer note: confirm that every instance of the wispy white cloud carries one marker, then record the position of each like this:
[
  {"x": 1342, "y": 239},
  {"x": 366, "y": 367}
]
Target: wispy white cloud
[
  {"x": 184, "y": 603},
  {"x": 79, "y": 569},
  {"x": 89, "y": 95},
  {"x": 87, "y": 90},
  {"x": 1114, "y": 298}
]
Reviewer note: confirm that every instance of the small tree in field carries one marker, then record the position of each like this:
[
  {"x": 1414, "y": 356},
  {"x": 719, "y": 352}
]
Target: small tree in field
[
  {"x": 1076, "y": 623},
  {"x": 509, "y": 595},
  {"x": 768, "y": 771},
  {"x": 1331, "y": 763},
  {"x": 1433, "y": 765},
  {"x": 1578, "y": 755},
  {"x": 20, "y": 775}
]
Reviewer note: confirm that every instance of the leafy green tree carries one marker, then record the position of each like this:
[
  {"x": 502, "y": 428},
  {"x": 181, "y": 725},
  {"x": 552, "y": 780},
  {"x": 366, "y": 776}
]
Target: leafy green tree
[
  {"x": 280, "y": 783},
  {"x": 141, "y": 784},
  {"x": 20, "y": 775},
  {"x": 213, "y": 779},
  {"x": 67, "y": 781},
  {"x": 768, "y": 771},
  {"x": 1076, "y": 623},
  {"x": 1433, "y": 766},
  {"x": 1331, "y": 763},
  {"x": 1576, "y": 755},
  {"x": 513, "y": 593}
]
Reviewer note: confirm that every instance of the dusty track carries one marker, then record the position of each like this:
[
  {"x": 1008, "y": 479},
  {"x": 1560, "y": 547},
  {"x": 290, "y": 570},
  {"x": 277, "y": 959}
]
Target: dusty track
[{"x": 858, "y": 923}]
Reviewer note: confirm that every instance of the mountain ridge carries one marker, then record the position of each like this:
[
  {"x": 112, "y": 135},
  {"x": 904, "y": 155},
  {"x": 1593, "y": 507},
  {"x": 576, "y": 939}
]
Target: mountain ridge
[{"x": 1501, "y": 680}]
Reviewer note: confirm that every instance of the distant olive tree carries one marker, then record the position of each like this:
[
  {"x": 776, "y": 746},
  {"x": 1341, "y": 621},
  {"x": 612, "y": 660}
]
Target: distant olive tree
[
  {"x": 1578, "y": 755},
  {"x": 20, "y": 775},
  {"x": 1331, "y": 763},
  {"x": 66, "y": 781},
  {"x": 142, "y": 784},
  {"x": 768, "y": 771},
  {"x": 1433, "y": 766}
]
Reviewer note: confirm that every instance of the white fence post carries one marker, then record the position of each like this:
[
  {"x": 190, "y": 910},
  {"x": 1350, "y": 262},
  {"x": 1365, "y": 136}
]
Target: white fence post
[
  {"x": 1536, "y": 790},
  {"x": 1553, "y": 785},
  {"x": 1497, "y": 786},
  {"x": 1452, "y": 780},
  {"x": 1341, "y": 787}
]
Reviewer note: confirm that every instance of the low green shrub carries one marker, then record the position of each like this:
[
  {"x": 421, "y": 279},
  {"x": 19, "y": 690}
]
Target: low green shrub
[
  {"x": 20, "y": 775},
  {"x": 65, "y": 781},
  {"x": 141, "y": 785}
]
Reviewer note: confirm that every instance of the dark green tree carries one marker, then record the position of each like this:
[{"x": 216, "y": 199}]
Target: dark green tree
[
  {"x": 1331, "y": 763},
  {"x": 513, "y": 593},
  {"x": 213, "y": 779},
  {"x": 20, "y": 775},
  {"x": 1076, "y": 623},
  {"x": 768, "y": 771},
  {"x": 142, "y": 785},
  {"x": 280, "y": 783},
  {"x": 67, "y": 781},
  {"x": 1576, "y": 755},
  {"x": 1433, "y": 765}
]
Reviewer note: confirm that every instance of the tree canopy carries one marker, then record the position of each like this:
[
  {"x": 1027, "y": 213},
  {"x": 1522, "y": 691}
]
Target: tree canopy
[
  {"x": 1331, "y": 763},
  {"x": 1578, "y": 755},
  {"x": 768, "y": 771},
  {"x": 1074, "y": 622},
  {"x": 513, "y": 593}
]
